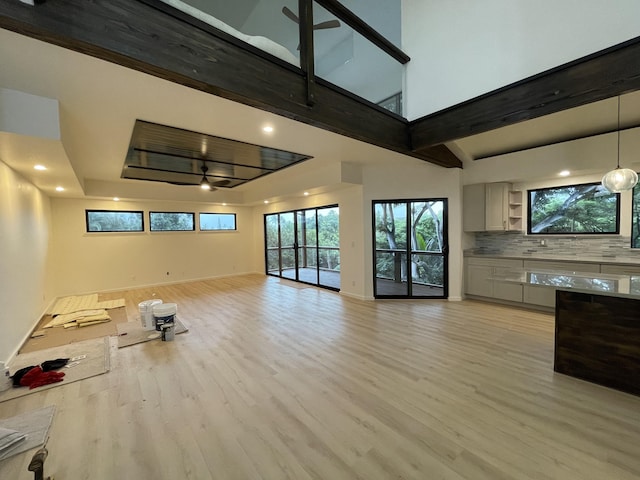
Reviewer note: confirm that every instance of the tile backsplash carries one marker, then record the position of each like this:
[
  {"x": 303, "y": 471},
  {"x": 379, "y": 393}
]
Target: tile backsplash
[{"x": 518, "y": 244}]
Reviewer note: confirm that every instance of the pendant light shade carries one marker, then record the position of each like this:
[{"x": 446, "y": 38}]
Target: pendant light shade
[{"x": 619, "y": 179}]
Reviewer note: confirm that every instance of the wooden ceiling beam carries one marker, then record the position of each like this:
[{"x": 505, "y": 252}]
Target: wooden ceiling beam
[
  {"x": 153, "y": 38},
  {"x": 602, "y": 75}
]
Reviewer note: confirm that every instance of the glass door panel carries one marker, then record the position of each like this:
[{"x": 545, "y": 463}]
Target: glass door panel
[
  {"x": 410, "y": 248},
  {"x": 304, "y": 245},
  {"x": 287, "y": 245},
  {"x": 307, "y": 246},
  {"x": 329, "y": 247},
  {"x": 272, "y": 240}
]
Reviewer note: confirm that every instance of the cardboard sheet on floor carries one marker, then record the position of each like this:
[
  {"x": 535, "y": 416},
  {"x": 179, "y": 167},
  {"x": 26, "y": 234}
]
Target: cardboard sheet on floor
[
  {"x": 34, "y": 424},
  {"x": 96, "y": 362},
  {"x": 57, "y": 336},
  {"x": 131, "y": 333}
]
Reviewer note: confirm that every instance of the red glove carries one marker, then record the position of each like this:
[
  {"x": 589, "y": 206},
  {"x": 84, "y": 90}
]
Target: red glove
[
  {"x": 46, "y": 378},
  {"x": 37, "y": 378},
  {"x": 28, "y": 378}
]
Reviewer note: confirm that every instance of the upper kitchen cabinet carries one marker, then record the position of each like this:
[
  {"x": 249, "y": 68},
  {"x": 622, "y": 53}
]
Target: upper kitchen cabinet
[{"x": 491, "y": 207}]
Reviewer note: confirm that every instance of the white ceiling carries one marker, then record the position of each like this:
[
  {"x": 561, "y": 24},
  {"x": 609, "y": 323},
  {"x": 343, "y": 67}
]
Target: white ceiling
[{"x": 99, "y": 103}]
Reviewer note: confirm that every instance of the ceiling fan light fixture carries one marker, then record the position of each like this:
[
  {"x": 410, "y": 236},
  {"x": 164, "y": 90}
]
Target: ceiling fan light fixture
[{"x": 619, "y": 179}]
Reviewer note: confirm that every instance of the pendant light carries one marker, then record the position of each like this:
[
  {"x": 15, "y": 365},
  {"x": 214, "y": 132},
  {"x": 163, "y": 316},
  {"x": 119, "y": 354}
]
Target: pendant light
[{"x": 620, "y": 179}]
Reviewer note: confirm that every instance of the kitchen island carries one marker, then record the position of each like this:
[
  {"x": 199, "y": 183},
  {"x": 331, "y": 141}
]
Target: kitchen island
[
  {"x": 597, "y": 338},
  {"x": 597, "y": 324}
]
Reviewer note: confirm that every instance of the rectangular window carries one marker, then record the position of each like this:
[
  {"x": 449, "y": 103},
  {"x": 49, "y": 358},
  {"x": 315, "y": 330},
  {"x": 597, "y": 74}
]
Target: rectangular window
[
  {"x": 172, "y": 221},
  {"x": 635, "y": 218},
  {"x": 573, "y": 209},
  {"x": 217, "y": 221},
  {"x": 114, "y": 221}
]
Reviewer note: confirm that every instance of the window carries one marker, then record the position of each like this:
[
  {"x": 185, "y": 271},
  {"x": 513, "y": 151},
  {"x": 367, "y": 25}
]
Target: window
[
  {"x": 171, "y": 221},
  {"x": 635, "y": 218},
  {"x": 114, "y": 221},
  {"x": 573, "y": 209},
  {"x": 210, "y": 222}
]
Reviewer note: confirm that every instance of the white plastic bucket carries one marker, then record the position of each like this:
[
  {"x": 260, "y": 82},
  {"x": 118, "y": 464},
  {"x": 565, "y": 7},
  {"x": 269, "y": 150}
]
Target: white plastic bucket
[
  {"x": 164, "y": 313},
  {"x": 168, "y": 332},
  {"x": 146, "y": 313},
  {"x": 5, "y": 380}
]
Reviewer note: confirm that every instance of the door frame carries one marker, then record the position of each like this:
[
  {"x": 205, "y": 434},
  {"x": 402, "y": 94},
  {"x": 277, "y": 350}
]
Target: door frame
[
  {"x": 408, "y": 252},
  {"x": 296, "y": 246}
]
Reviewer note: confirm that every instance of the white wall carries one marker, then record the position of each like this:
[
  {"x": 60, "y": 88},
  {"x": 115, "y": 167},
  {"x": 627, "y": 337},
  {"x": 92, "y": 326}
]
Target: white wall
[
  {"x": 25, "y": 286},
  {"x": 93, "y": 262},
  {"x": 415, "y": 180},
  {"x": 462, "y": 49}
]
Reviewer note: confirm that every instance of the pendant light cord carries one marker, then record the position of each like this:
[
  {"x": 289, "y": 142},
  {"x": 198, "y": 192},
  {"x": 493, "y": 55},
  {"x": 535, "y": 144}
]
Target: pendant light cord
[{"x": 618, "y": 131}]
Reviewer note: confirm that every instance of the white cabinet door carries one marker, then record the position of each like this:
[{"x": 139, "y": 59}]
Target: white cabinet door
[
  {"x": 621, "y": 269},
  {"x": 507, "y": 291},
  {"x": 544, "y": 296},
  {"x": 473, "y": 208},
  {"x": 477, "y": 283},
  {"x": 497, "y": 206},
  {"x": 562, "y": 266}
]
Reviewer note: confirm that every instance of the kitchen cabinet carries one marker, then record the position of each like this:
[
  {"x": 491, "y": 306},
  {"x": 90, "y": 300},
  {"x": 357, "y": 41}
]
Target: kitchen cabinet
[
  {"x": 621, "y": 269},
  {"x": 491, "y": 207},
  {"x": 561, "y": 266},
  {"x": 478, "y": 272},
  {"x": 530, "y": 281}
]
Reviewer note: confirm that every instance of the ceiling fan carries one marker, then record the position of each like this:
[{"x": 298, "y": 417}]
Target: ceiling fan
[
  {"x": 206, "y": 184},
  {"x": 318, "y": 26}
]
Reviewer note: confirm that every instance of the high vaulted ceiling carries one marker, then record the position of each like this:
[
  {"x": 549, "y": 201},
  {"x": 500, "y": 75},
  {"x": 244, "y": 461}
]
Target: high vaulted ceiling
[{"x": 99, "y": 103}]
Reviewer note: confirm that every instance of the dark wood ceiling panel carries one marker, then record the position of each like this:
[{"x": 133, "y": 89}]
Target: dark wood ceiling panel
[
  {"x": 605, "y": 74},
  {"x": 181, "y": 156}
]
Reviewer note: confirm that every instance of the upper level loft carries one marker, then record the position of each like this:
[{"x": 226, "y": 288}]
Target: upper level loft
[
  {"x": 352, "y": 45},
  {"x": 345, "y": 73}
]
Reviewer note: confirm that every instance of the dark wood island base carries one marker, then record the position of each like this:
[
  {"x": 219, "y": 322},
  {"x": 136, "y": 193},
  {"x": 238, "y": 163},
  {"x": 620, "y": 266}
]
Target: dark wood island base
[{"x": 598, "y": 339}]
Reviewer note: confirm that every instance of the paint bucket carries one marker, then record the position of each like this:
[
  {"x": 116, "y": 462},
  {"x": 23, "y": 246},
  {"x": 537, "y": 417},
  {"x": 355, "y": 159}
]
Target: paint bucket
[
  {"x": 146, "y": 313},
  {"x": 5, "y": 379},
  {"x": 168, "y": 332},
  {"x": 164, "y": 313}
]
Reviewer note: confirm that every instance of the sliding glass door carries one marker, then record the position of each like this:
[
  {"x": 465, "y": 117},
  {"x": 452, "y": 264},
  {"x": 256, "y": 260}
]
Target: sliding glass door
[
  {"x": 410, "y": 248},
  {"x": 303, "y": 245}
]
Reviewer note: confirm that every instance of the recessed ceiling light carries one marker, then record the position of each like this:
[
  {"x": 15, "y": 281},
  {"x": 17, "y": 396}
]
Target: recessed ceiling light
[
  {"x": 224, "y": 204},
  {"x": 564, "y": 173},
  {"x": 267, "y": 129},
  {"x": 306, "y": 193},
  {"x": 39, "y": 167},
  {"x": 59, "y": 189},
  {"x": 116, "y": 199},
  {"x": 266, "y": 201}
]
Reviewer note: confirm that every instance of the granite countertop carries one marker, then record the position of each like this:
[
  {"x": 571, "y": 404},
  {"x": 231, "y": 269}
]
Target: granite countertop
[
  {"x": 601, "y": 283},
  {"x": 608, "y": 260}
]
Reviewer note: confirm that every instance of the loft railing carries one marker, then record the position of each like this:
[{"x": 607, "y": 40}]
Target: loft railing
[{"x": 325, "y": 39}]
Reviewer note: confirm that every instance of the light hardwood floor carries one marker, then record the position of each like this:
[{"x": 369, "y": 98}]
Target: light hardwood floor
[{"x": 279, "y": 382}]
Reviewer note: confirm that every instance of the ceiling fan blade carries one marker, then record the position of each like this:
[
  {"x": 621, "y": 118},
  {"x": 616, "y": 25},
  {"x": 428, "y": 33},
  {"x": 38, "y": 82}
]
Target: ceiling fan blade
[
  {"x": 327, "y": 24},
  {"x": 289, "y": 14},
  {"x": 221, "y": 183}
]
